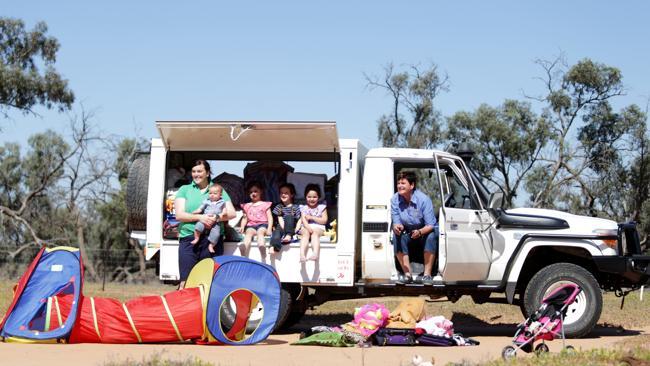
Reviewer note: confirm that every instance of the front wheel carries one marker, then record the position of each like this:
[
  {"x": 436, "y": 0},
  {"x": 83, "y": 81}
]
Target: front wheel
[
  {"x": 583, "y": 314},
  {"x": 508, "y": 352}
]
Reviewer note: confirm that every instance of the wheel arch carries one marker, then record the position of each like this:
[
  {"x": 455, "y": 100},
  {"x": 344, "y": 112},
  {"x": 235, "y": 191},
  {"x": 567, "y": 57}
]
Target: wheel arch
[{"x": 536, "y": 254}]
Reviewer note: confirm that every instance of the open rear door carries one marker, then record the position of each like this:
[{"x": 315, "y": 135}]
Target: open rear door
[{"x": 240, "y": 136}]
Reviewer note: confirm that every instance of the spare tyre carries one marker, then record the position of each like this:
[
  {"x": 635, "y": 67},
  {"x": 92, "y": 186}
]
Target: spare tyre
[{"x": 137, "y": 186}]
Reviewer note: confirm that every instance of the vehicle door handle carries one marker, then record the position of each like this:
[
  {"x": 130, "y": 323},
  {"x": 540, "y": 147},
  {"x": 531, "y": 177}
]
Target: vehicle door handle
[{"x": 453, "y": 226}]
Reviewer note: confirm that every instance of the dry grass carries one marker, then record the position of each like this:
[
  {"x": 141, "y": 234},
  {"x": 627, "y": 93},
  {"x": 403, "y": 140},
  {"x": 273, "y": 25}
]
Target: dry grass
[{"x": 633, "y": 352}]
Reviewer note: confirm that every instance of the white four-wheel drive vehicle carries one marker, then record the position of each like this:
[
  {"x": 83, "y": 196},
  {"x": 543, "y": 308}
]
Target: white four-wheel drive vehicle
[{"x": 523, "y": 253}]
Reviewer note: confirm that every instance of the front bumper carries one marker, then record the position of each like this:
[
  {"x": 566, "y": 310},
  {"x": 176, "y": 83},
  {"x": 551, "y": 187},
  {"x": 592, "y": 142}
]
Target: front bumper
[{"x": 631, "y": 269}]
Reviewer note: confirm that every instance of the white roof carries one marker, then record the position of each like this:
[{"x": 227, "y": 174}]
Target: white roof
[
  {"x": 249, "y": 136},
  {"x": 390, "y": 152}
]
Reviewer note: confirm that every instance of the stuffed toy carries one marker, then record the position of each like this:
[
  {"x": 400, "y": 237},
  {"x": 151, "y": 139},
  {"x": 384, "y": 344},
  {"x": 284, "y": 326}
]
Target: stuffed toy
[{"x": 368, "y": 319}]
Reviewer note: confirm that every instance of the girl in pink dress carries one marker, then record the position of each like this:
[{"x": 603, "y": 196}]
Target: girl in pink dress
[
  {"x": 314, "y": 218},
  {"x": 257, "y": 219}
]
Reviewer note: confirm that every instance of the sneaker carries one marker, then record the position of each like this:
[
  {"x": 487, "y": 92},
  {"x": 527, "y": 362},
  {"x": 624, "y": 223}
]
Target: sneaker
[
  {"x": 403, "y": 279},
  {"x": 427, "y": 280}
]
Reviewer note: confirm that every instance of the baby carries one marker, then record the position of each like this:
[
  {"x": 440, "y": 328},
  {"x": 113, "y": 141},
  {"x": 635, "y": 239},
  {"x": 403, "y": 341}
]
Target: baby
[{"x": 213, "y": 206}]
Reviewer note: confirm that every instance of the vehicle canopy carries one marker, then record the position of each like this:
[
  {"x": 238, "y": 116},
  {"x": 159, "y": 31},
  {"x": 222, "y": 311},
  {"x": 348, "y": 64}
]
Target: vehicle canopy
[{"x": 258, "y": 136}]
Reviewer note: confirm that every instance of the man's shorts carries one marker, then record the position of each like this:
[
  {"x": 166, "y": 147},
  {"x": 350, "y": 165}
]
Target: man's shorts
[{"x": 402, "y": 242}]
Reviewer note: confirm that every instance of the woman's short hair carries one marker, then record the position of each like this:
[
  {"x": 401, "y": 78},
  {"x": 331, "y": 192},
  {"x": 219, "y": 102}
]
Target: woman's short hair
[{"x": 409, "y": 176}]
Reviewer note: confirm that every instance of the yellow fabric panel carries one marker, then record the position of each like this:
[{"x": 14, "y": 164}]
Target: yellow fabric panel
[
  {"x": 201, "y": 276},
  {"x": 69, "y": 249},
  {"x": 24, "y": 340}
]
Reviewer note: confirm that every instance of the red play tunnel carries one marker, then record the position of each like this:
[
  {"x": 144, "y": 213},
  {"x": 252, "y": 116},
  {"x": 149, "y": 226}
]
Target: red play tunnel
[{"x": 175, "y": 316}]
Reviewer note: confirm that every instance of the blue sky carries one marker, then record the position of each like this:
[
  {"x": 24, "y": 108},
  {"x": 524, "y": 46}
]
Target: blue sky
[{"x": 135, "y": 62}]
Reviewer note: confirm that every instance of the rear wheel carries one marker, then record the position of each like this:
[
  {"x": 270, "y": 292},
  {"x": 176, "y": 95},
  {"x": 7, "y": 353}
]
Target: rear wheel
[
  {"x": 583, "y": 313},
  {"x": 541, "y": 348}
]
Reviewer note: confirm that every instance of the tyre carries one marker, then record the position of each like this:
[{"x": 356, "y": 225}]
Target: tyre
[
  {"x": 137, "y": 186},
  {"x": 583, "y": 313},
  {"x": 227, "y": 312},
  {"x": 286, "y": 302},
  {"x": 569, "y": 349},
  {"x": 508, "y": 352},
  {"x": 541, "y": 348},
  {"x": 294, "y": 317}
]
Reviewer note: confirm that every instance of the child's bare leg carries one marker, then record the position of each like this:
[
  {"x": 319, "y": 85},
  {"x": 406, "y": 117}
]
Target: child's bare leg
[
  {"x": 304, "y": 244},
  {"x": 211, "y": 248},
  {"x": 315, "y": 244},
  {"x": 261, "y": 232},
  {"x": 248, "y": 238},
  {"x": 197, "y": 235}
]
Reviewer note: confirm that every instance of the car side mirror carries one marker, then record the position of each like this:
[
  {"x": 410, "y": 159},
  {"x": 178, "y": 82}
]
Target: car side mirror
[{"x": 495, "y": 203}]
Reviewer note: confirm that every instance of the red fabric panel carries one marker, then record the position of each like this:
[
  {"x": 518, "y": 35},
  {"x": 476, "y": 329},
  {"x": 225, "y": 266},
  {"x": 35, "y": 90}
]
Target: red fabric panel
[
  {"x": 112, "y": 322},
  {"x": 187, "y": 310},
  {"x": 65, "y": 305},
  {"x": 20, "y": 286},
  {"x": 148, "y": 314},
  {"x": 242, "y": 300}
]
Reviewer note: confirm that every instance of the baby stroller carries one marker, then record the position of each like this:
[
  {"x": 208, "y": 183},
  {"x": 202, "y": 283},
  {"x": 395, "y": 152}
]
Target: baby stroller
[{"x": 546, "y": 324}]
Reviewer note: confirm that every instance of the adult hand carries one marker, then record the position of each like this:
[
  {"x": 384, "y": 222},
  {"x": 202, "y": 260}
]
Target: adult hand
[
  {"x": 223, "y": 217},
  {"x": 398, "y": 228},
  {"x": 208, "y": 221},
  {"x": 416, "y": 234}
]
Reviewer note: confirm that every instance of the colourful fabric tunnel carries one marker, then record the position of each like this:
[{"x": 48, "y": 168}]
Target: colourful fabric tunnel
[
  {"x": 243, "y": 299},
  {"x": 217, "y": 305}
]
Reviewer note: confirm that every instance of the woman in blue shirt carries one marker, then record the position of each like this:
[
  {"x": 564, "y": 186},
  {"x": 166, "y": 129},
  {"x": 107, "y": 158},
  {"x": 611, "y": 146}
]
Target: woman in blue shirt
[{"x": 414, "y": 222}]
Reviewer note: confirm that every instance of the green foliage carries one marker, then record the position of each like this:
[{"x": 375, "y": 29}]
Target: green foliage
[
  {"x": 57, "y": 191},
  {"x": 23, "y": 54},
  {"x": 506, "y": 139},
  {"x": 414, "y": 121},
  {"x": 578, "y": 104},
  {"x": 577, "y": 154}
]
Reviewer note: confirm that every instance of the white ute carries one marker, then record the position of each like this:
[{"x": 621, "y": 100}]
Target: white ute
[{"x": 523, "y": 253}]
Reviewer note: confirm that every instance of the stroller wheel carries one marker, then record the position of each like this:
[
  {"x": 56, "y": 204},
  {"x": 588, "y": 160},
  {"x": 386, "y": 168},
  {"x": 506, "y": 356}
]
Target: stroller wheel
[
  {"x": 508, "y": 352},
  {"x": 541, "y": 348},
  {"x": 570, "y": 349}
]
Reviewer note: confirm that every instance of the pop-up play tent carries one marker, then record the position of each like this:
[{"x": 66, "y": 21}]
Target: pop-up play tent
[{"x": 214, "y": 308}]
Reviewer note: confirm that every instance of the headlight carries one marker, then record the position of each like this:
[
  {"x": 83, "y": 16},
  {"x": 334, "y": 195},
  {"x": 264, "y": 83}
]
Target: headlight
[{"x": 607, "y": 234}]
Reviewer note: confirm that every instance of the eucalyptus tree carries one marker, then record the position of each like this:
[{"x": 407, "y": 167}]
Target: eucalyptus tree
[
  {"x": 27, "y": 74},
  {"x": 588, "y": 138},
  {"x": 507, "y": 141}
]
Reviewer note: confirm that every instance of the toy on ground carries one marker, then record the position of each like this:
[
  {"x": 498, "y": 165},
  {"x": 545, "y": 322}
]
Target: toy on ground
[
  {"x": 214, "y": 308},
  {"x": 546, "y": 324}
]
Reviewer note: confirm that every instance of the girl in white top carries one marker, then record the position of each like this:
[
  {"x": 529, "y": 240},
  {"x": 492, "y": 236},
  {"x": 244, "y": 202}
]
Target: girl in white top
[{"x": 314, "y": 218}]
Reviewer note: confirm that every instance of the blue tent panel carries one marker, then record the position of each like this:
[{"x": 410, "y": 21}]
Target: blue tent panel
[
  {"x": 236, "y": 273},
  {"x": 57, "y": 272}
]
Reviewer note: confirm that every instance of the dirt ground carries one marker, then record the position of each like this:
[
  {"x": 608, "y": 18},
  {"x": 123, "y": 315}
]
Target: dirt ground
[{"x": 276, "y": 350}]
